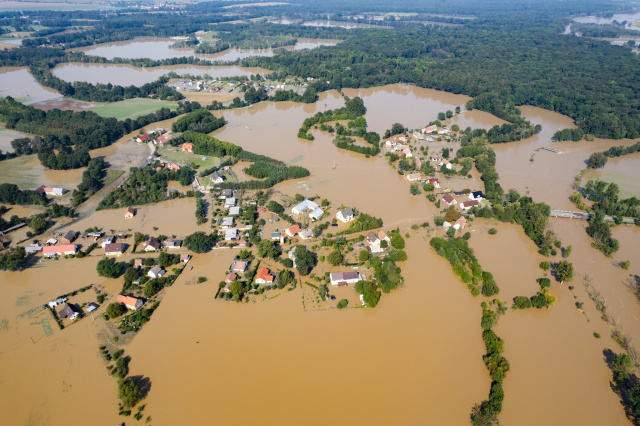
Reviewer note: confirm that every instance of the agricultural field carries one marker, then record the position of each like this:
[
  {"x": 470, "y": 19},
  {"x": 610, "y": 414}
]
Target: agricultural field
[{"x": 132, "y": 108}]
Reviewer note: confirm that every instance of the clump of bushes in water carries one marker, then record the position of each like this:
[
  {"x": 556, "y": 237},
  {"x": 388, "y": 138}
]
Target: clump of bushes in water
[
  {"x": 465, "y": 264},
  {"x": 542, "y": 299},
  {"x": 487, "y": 411}
]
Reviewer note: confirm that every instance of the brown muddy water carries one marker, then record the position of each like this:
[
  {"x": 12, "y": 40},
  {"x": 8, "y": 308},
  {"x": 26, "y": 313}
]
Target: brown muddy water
[
  {"x": 549, "y": 177},
  {"x": 340, "y": 24},
  {"x": 420, "y": 349},
  {"x": 157, "y": 49},
  {"x": 127, "y": 75},
  {"x": 415, "y": 107},
  {"x": 620, "y": 17}
]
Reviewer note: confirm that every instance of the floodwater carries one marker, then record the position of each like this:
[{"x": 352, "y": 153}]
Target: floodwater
[
  {"x": 620, "y": 17},
  {"x": 340, "y": 24},
  {"x": 415, "y": 107},
  {"x": 21, "y": 85},
  {"x": 28, "y": 173},
  {"x": 549, "y": 177},
  {"x": 535, "y": 343},
  {"x": 624, "y": 171},
  {"x": 8, "y": 135},
  {"x": 312, "y": 357},
  {"x": 127, "y": 75},
  {"x": 158, "y": 49},
  {"x": 65, "y": 373},
  {"x": 404, "y": 350}
]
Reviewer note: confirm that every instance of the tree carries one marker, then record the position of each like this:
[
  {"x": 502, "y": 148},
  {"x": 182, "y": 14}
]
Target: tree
[
  {"x": 275, "y": 207},
  {"x": 284, "y": 278},
  {"x": 567, "y": 251},
  {"x": 305, "y": 260},
  {"x": 335, "y": 258},
  {"x": 38, "y": 224},
  {"x": 197, "y": 242},
  {"x": 545, "y": 265},
  {"x": 452, "y": 215},
  {"x": 343, "y": 303},
  {"x": 564, "y": 271},
  {"x": 131, "y": 274},
  {"x": 597, "y": 160},
  {"x": 397, "y": 242},
  {"x": 114, "y": 310},
  {"x": 363, "y": 256},
  {"x": 267, "y": 248},
  {"x": 108, "y": 268},
  {"x": 129, "y": 393},
  {"x": 151, "y": 288},
  {"x": 621, "y": 365}
]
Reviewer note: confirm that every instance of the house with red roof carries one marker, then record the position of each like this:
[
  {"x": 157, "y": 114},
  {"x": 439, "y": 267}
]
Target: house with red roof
[
  {"x": 449, "y": 200},
  {"x": 132, "y": 303},
  {"x": 143, "y": 138},
  {"x": 295, "y": 229},
  {"x": 263, "y": 276},
  {"x": 51, "y": 251}
]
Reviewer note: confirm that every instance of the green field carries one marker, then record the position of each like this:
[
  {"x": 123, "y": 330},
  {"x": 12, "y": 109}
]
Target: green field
[
  {"x": 629, "y": 185},
  {"x": 177, "y": 156},
  {"x": 132, "y": 108}
]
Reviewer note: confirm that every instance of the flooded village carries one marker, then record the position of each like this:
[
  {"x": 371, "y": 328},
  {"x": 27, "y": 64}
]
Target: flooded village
[{"x": 229, "y": 301}]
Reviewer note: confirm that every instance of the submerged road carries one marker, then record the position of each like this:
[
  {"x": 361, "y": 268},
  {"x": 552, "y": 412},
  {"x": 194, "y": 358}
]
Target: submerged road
[
  {"x": 90, "y": 206},
  {"x": 585, "y": 216}
]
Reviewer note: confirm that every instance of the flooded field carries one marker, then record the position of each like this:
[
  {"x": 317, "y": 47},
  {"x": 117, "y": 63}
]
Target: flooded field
[
  {"x": 624, "y": 171},
  {"x": 415, "y": 107},
  {"x": 420, "y": 348},
  {"x": 620, "y": 17},
  {"x": 340, "y": 24},
  {"x": 157, "y": 49},
  {"x": 549, "y": 176},
  {"x": 416, "y": 390},
  {"x": 22, "y": 86},
  {"x": 8, "y": 135},
  {"x": 127, "y": 75},
  {"x": 27, "y": 172}
]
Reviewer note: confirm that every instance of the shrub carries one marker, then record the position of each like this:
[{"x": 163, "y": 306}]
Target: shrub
[
  {"x": 343, "y": 303},
  {"x": 493, "y": 231}
]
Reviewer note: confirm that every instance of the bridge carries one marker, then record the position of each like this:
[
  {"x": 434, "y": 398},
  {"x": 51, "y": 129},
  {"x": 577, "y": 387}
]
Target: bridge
[{"x": 584, "y": 216}]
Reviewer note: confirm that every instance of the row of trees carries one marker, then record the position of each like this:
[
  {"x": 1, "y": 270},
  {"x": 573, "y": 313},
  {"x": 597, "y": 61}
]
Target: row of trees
[{"x": 200, "y": 121}]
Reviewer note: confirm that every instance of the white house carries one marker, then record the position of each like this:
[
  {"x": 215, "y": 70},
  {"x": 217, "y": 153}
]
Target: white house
[
  {"x": 373, "y": 239},
  {"x": 231, "y": 234},
  {"x": 33, "y": 248},
  {"x": 234, "y": 211},
  {"x": 108, "y": 240},
  {"x": 156, "y": 272},
  {"x": 443, "y": 131},
  {"x": 345, "y": 215},
  {"x": 113, "y": 249},
  {"x": 226, "y": 222},
  {"x": 172, "y": 244},
  {"x": 316, "y": 214},
  {"x": 344, "y": 278},
  {"x": 445, "y": 163},
  {"x": 229, "y": 202},
  {"x": 304, "y": 206},
  {"x": 448, "y": 199},
  {"x": 130, "y": 302},
  {"x": 217, "y": 177},
  {"x": 60, "y": 301},
  {"x": 434, "y": 181},
  {"x": 466, "y": 205}
]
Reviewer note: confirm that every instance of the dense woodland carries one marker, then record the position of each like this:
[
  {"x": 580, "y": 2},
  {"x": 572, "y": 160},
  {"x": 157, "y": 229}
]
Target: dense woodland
[{"x": 512, "y": 53}]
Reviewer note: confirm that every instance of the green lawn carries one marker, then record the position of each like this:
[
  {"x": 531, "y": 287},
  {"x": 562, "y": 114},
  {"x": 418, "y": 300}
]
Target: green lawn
[
  {"x": 177, "y": 156},
  {"x": 629, "y": 185},
  {"x": 132, "y": 108}
]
